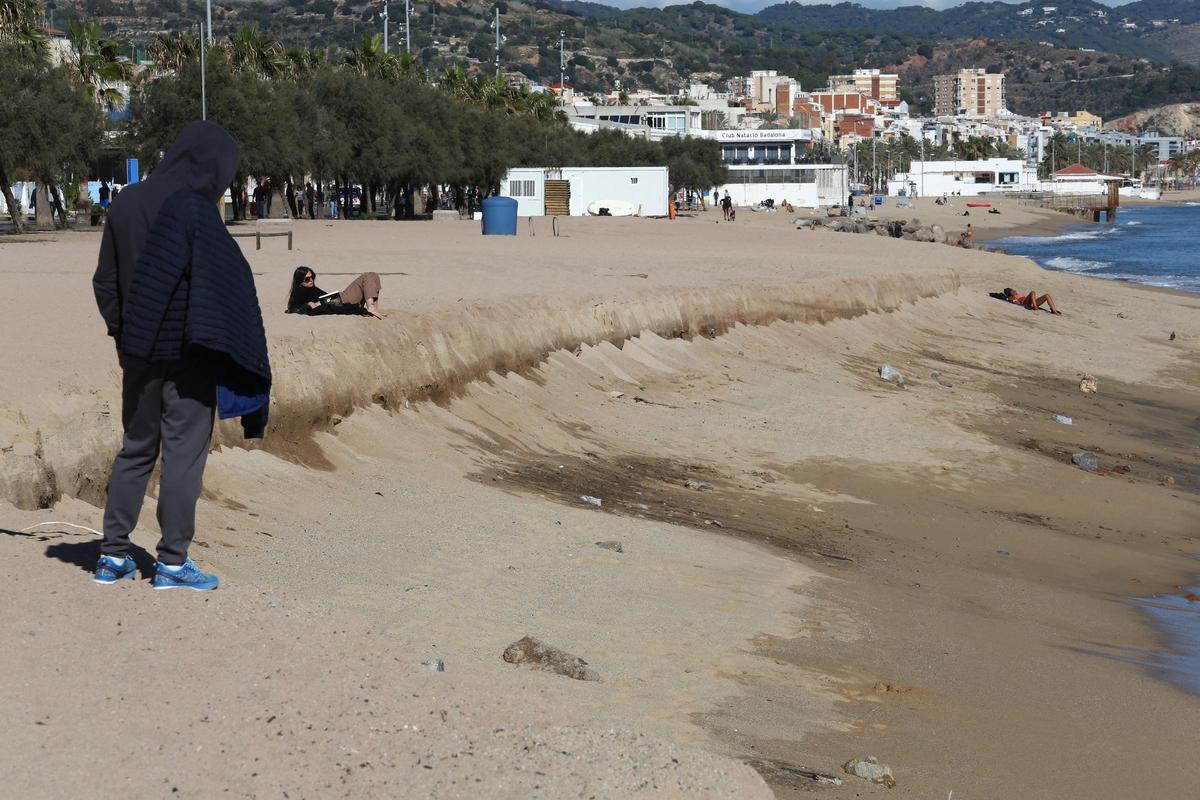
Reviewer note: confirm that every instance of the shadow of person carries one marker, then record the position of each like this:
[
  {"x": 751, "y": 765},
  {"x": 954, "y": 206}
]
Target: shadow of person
[{"x": 84, "y": 554}]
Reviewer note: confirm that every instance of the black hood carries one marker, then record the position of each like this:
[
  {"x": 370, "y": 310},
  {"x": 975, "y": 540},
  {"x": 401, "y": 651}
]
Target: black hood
[{"x": 203, "y": 157}]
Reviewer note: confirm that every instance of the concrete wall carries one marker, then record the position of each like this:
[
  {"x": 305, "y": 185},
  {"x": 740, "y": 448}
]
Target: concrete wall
[{"x": 751, "y": 194}]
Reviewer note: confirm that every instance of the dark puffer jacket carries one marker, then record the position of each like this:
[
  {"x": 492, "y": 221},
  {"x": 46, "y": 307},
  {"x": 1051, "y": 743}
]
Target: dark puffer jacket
[
  {"x": 170, "y": 277},
  {"x": 194, "y": 288}
]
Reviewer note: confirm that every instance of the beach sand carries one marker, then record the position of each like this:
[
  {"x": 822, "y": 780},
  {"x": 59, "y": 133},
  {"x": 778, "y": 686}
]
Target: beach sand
[
  {"x": 1015, "y": 217},
  {"x": 914, "y": 573}
]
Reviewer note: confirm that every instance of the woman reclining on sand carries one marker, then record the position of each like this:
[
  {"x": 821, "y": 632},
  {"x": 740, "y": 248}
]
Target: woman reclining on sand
[
  {"x": 1031, "y": 300},
  {"x": 360, "y": 297}
]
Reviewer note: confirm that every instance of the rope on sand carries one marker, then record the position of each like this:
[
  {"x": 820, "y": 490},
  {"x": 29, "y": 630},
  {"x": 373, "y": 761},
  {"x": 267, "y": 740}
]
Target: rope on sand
[{"x": 68, "y": 524}]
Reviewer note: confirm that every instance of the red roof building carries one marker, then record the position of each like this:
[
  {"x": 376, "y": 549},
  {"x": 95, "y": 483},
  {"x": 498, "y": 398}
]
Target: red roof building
[{"x": 1076, "y": 169}]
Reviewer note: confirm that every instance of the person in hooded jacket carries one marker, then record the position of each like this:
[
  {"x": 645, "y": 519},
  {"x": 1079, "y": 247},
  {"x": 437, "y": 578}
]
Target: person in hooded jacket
[{"x": 178, "y": 298}]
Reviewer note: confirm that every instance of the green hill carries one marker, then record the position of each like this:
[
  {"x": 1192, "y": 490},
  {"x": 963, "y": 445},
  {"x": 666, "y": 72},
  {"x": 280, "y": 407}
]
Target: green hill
[{"x": 659, "y": 49}]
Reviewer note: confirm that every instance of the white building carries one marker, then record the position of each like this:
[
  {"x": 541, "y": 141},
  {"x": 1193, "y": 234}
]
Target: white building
[
  {"x": 23, "y": 194},
  {"x": 965, "y": 178},
  {"x": 1078, "y": 179},
  {"x": 775, "y": 164},
  {"x": 767, "y": 163},
  {"x": 643, "y": 191},
  {"x": 655, "y": 121}
]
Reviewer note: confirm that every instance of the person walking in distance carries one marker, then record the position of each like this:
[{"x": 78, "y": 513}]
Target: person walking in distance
[
  {"x": 260, "y": 200},
  {"x": 178, "y": 298}
]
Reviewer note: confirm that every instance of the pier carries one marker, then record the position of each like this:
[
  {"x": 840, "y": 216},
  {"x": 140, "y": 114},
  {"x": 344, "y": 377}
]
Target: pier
[{"x": 1082, "y": 205}]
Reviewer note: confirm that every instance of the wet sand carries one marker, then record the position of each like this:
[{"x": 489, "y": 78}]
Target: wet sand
[{"x": 915, "y": 573}]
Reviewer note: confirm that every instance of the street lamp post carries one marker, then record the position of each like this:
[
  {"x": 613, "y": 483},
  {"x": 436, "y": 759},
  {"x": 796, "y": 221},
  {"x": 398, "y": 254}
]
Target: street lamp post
[
  {"x": 407, "y": 29},
  {"x": 385, "y": 26},
  {"x": 562, "y": 67},
  {"x": 208, "y": 19},
  {"x": 922, "y": 163}
]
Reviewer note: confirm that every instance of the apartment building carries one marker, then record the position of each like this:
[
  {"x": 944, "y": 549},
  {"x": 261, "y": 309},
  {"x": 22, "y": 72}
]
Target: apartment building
[
  {"x": 843, "y": 101},
  {"x": 770, "y": 91},
  {"x": 969, "y": 93},
  {"x": 872, "y": 83}
]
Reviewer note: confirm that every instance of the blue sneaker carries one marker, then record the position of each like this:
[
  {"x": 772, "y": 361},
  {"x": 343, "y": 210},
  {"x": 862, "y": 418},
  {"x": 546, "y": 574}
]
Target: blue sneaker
[
  {"x": 107, "y": 570},
  {"x": 189, "y": 577}
]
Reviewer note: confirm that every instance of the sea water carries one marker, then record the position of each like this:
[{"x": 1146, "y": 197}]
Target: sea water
[
  {"x": 1158, "y": 246},
  {"x": 1179, "y": 620},
  {"x": 1155, "y": 245}
]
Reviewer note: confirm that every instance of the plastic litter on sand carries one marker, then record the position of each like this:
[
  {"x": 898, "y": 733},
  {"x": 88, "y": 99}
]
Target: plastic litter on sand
[
  {"x": 891, "y": 374},
  {"x": 1085, "y": 460}
]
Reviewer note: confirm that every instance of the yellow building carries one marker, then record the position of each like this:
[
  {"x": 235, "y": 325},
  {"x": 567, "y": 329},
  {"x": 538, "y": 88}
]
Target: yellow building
[{"x": 1084, "y": 119}]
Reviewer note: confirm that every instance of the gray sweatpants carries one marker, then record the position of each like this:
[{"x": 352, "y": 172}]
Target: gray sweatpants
[{"x": 169, "y": 406}]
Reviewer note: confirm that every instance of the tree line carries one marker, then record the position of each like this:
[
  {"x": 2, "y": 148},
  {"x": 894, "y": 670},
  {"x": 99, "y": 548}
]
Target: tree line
[{"x": 371, "y": 119}]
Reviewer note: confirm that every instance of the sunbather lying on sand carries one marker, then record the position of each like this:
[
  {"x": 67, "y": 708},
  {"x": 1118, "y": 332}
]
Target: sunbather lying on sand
[
  {"x": 360, "y": 297},
  {"x": 1032, "y": 300}
]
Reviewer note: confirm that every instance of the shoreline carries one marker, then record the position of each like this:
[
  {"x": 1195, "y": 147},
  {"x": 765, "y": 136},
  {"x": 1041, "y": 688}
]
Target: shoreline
[
  {"x": 1048, "y": 238},
  {"x": 840, "y": 591}
]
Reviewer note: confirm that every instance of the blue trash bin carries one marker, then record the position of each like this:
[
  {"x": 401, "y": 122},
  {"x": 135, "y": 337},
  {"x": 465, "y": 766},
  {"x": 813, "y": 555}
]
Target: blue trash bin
[{"x": 499, "y": 216}]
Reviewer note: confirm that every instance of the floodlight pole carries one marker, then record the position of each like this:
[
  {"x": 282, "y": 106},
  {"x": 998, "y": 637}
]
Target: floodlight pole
[
  {"x": 208, "y": 17},
  {"x": 407, "y": 29},
  {"x": 203, "y": 81},
  {"x": 385, "y": 27},
  {"x": 497, "y": 24}
]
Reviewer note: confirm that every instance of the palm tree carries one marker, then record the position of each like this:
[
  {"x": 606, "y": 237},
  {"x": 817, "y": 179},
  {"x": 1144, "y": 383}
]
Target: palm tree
[
  {"x": 251, "y": 51},
  {"x": 976, "y": 148},
  {"x": 303, "y": 62},
  {"x": 455, "y": 82},
  {"x": 21, "y": 24},
  {"x": 170, "y": 51},
  {"x": 98, "y": 63},
  {"x": 366, "y": 57},
  {"x": 408, "y": 68},
  {"x": 1188, "y": 165},
  {"x": 1056, "y": 155}
]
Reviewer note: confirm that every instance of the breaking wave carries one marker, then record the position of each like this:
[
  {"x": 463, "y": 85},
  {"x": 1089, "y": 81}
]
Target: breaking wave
[
  {"x": 1069, "y": 236},
  {"x": 1071, "y": 264}
]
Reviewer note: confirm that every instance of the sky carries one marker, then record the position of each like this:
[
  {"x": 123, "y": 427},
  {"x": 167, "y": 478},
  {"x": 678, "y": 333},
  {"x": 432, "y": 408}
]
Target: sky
[{"x": 750, "y": 6}]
